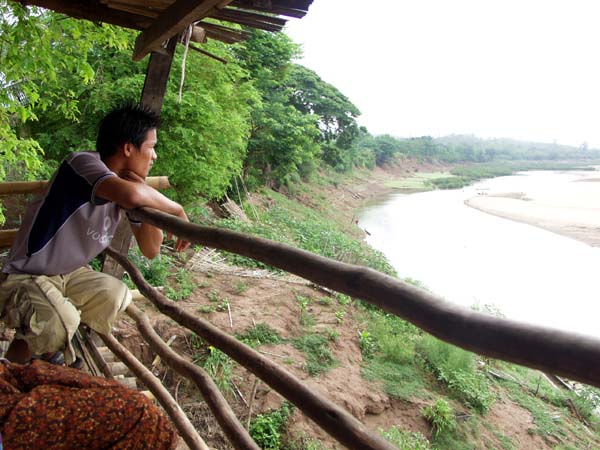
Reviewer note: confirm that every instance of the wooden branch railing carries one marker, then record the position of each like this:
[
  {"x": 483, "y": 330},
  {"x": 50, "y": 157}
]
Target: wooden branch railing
[
  {"x": 334, "y": 420},
  {"x": 571, "y": 355},
  {"x": 171, "y": 407},
  {"x": 225, "y": 416}
]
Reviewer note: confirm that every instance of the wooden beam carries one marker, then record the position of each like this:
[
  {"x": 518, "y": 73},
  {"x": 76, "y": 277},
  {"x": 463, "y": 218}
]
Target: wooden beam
[
  {"x": 247, "y": 20},
  {"x": 338, "y": 422},
  {"x": 231, "y": 426},
  {"x": 205, "y": 53},
  {"x": 171, "y": 407},
  {"x": 171, "y": 22},
  {"x": 34, "y": 187},
  {"x": 233, "y": 15},
  {"x": 222, "y": 33},
  {"x": 272, "y": 9},
  {"x": 157, "y": 76},
  {"x": 571, "y": 355},
  {"x": 93, "y": 11}
]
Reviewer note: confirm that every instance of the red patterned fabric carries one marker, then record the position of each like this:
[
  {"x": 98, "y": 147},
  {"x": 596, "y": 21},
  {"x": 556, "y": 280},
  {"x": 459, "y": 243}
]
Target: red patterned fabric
[{"x": 43, "y": 406}]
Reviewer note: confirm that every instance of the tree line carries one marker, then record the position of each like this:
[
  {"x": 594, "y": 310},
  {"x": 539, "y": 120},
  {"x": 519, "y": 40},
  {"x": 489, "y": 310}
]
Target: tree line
[{"x": 260, "y": 118}]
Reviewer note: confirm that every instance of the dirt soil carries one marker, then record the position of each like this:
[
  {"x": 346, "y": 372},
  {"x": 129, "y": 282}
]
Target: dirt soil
[{"x": 275, "y": 302}]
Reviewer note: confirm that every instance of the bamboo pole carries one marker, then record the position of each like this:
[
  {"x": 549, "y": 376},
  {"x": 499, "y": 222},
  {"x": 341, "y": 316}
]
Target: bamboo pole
[
  {"x": 336, "y": 421},
  {"x": 34, "y": 187},
  {"x": 572, "y": 355},
  {"x": 183, "y": 424},
  {"x": 234, "y": 430}
]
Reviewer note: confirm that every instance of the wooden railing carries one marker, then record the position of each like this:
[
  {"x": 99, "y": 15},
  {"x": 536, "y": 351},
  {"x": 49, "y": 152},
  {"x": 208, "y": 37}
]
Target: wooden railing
[{"x": 571, "y": 355}]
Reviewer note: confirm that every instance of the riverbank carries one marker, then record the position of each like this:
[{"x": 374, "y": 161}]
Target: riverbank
[
  {"x": 382, "y": 370},
  {"x": 573, "y": 212}
]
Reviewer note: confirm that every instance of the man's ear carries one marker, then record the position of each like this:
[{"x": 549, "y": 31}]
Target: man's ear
[{"x": 128, "y": 148}]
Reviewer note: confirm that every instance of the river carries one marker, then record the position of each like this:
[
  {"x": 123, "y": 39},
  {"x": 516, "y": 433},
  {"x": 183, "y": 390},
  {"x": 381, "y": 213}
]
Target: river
[{"x": 471, "y": 257}]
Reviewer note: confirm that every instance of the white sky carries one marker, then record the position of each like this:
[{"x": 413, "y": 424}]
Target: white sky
[{"x": 527, "y": 69}]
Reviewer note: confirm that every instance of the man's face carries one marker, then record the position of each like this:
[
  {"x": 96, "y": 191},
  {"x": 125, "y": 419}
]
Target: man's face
[{"x": 142, "y": 158}]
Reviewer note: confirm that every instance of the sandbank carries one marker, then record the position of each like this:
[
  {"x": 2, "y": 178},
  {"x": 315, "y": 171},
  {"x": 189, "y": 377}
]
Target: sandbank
[{"x": 574, "y": 211}]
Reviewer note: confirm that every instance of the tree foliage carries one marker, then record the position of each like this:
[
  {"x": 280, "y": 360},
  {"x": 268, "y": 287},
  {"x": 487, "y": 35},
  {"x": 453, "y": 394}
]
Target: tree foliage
[{"x": 336, "y": 114}]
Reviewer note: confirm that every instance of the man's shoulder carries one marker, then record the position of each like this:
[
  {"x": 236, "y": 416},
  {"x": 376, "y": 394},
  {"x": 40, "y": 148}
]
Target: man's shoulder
[{"x": 86, "y": 155}]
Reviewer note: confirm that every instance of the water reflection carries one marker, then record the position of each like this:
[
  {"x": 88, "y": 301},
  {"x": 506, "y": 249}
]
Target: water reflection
[{"x": 469, "y": 257}]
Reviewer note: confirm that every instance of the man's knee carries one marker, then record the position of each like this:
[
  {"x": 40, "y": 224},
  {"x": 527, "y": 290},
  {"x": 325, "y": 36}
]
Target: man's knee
[
  {"x": 116, "y": 293},
  {"x": 41, "y": 315}
]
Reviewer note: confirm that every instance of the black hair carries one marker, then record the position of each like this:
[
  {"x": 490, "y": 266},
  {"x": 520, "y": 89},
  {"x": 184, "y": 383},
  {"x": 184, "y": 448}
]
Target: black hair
[{"x": 129, "y": 123}]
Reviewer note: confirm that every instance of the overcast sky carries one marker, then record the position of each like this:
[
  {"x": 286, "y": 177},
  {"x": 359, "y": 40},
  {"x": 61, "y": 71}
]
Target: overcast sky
[{"x": 527, "y": 69}]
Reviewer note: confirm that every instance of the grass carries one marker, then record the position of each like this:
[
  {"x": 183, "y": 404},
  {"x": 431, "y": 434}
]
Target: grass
[
  {"x": 316, "y": 349},
  {"x": 455, "y": 368},
  {"x": 402, "y": 381},
  {"x": 268, "y": 429},
  {"x": 417, "y": 182},
  {"x": 390, "y": 346},
  {"x": 292, "y": 223},
  {"x": 184, "y": 286},
  {"x": 406, "y": 440},
  {"x": 261, "y": 334},
  {"x": 216, "y": 363}
]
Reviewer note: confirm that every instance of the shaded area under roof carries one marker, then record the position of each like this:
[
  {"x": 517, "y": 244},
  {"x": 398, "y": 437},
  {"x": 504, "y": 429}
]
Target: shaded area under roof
[{"x": 159, "y": 20}]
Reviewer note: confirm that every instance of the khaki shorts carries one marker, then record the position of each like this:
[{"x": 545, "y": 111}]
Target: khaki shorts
[{"x": 46, "y": 310}]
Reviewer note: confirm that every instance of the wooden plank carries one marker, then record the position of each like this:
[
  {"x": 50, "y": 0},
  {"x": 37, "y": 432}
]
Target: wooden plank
[
  {"x": 93, "y": 11},
  {"x": 172, "y": 21},
  {"x": 154, "y": 4},
  {"x": 151, "y": 13},
  {"x": 246, "y": 20},
  {"x": 157, "y": 75},
  {"x": 274, "y": 8},
  {"x": 35, "y": 187},
  {"x": 205, "y": 53},
  {"x": 224, "y": 32},
  {"x": 235, "y": 13}
]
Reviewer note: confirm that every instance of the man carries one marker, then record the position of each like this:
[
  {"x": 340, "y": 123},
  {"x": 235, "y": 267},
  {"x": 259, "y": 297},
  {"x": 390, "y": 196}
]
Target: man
[{"x": 49, "y": 289}]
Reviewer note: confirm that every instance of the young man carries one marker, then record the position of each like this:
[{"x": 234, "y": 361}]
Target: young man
[{"x": 49, "y": 289}]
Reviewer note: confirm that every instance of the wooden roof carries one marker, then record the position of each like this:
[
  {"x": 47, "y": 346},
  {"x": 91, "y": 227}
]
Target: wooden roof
[{"x": 160, "y": 20}]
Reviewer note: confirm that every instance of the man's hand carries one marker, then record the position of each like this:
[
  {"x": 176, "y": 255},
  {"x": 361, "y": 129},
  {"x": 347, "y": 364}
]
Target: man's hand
[
  {"x": 181, "y": 244},
  {"x": 129, "y": 175}
]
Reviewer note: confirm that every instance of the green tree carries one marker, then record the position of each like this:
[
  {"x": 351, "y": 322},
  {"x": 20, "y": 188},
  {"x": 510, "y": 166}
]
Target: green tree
[
  {"x": 336, "y": 114},
  {"x": 283, "y": 145},
  {"x": 41, "y": 55}
]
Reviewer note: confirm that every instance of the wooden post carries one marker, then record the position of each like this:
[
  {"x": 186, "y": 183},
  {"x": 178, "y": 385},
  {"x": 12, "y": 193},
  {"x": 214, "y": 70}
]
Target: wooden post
[{"x": 153, "y": 94}]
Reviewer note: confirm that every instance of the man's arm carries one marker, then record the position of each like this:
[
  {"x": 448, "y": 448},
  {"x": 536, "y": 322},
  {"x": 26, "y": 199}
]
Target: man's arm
[{"x": 130, "y": 191}]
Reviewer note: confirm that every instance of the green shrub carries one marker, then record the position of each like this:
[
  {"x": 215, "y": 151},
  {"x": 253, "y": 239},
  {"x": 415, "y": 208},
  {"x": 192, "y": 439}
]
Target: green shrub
[
  {"x": 216, "y": 363},
  {"x": 318, "y": 356},
  {"x": 268, "y": 429},
  {"x": 399, "y": 380},
  {"x": 288, "y": 222},
  {"x": 156, "y": 270},
  {"x": 406, "y": 440},
  {"x": 260, "y": 334},
  {"x": 184, "y": 286},
  {"x": 455, "y": 367},
  {"x": 450, "y": 182},
  {"x": 441, "y": 417},
  {"x": 368, "y": 344}
]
